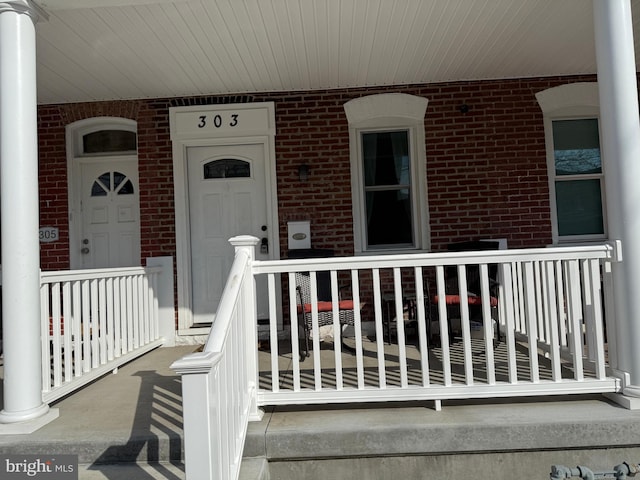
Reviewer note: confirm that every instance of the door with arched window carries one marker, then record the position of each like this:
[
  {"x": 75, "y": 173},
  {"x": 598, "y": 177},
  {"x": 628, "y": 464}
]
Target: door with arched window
[
  {"x": 226, "y": 198},
  {"x": 110, "y": 217},
  {"x": 104, "y": 196}
]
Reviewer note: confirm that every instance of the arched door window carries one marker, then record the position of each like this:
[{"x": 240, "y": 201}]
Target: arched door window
[
  {"x": 112, "y": 182},
  {"x": 227, "y": 168}
]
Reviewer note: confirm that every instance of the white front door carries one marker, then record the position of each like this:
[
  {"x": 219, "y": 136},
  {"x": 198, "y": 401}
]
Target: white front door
[
  {"x": 110, "y": 211},
  {"x": 227, "y": 197}
]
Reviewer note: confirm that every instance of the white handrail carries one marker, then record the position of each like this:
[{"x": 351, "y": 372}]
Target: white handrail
[{"x": 219, "y": 383}]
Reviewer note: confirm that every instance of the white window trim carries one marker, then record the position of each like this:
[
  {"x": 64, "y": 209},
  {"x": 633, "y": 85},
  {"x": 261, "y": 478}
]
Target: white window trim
[
  {"x": 386, "y": 112},
  {"x": 569, "y": 102}
]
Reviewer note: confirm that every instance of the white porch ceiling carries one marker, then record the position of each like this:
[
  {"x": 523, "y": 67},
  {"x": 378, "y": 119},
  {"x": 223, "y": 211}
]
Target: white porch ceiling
[{"x": 118, "y": 49}]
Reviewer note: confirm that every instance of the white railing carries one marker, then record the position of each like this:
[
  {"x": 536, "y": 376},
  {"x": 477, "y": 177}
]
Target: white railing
[
  {"x": 93, "y": 321},
  {"x": 219, "y": 383},
  {"x": 549, "y": 313}
]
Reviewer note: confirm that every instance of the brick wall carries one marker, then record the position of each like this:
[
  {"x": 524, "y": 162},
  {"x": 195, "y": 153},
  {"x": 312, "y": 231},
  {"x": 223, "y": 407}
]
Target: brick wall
[{"x": 486, "y": 167}]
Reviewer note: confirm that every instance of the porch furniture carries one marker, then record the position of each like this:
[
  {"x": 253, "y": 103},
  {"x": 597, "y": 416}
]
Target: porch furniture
[
  {"x": 325, "y": 309},
  {"x": 389, "y": 310},
  {"x": 474, "y": 297}
]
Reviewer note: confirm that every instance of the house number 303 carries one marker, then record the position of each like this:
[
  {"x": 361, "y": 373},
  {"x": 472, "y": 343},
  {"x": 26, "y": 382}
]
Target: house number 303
[{"x": 217, "y": 120}]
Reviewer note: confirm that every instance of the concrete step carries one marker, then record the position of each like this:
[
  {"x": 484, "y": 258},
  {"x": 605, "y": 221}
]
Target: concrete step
[{"x": 507, "y": 440}]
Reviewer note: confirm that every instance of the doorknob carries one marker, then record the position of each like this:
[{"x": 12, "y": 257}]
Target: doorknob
[
  {"x": 264, "y": 245},
  {"x": 84, "y": 250}
]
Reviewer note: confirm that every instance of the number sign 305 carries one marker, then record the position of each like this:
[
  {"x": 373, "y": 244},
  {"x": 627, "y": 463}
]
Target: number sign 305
[{"x": 218, "y": 120}]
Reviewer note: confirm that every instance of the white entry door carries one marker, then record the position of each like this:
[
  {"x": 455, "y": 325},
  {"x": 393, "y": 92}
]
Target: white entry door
[
  {"x": 227, "y": 197},
  {"x": 110, "y": 226}
]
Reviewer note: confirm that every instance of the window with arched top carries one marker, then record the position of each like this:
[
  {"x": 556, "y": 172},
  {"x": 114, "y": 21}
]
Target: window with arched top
[
  {"x": 388, "y": 172},
  {"x": 227, "y": 168},
  {"x": 575, "y": 162},
  {"x": 112, "y": 182},
  {"x": 109, "y": 141},
  {"x": 104, "y": 136}
]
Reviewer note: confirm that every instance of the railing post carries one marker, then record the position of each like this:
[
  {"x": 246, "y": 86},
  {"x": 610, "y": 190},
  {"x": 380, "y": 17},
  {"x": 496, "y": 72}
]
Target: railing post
[
  {"x": 249, "y": 309},
  {"x": 201, "y": 415},
  {"x": 166, "y": 304}
]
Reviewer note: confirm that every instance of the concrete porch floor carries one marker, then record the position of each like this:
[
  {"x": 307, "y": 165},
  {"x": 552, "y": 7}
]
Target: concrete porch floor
[{"x": 129, "y": 425}]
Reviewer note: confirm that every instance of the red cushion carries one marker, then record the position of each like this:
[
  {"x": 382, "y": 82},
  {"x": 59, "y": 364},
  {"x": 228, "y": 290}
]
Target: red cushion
[
  {"x": 471, "y": 300},
  {"x": 327, "y": 306}
]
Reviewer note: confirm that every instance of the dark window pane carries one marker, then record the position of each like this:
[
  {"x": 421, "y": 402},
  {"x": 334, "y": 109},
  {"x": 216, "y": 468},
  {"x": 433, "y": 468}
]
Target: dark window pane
[
  {"x": 101, "y": 186},
  {"x": 126, "y": 189},
  {"x": 109, "y": 141},
  {"x": 386, "y": 158},
  {"x": 97, "y": 190},
  {"x": 579, "y": 205},
  {"x": 227, "y": 168},
  {"x": 389, "y": 218},
  {"x": 118, "y": 178},
  {"x": 122, "y": 184},
  {"x": 576, "y": 147}
]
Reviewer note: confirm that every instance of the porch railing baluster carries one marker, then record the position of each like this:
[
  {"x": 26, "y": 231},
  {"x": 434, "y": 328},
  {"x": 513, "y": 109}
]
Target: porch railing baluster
[
  {"x": 551, "y": 304},
  {"x": 487, "y": 320},
  {"x": 399, "y": 317},
  {"x": 422, "y": 323},
  {"x": 510, "y": 305},
  {"x": 377, "y": 307},
  {"x": 444, "y": 324},
  {"x": 532, "y": 320},
  {"x": 295, "y": 333},
  {"x": 336, "y": 328},
  {"x": 273, "y": 333},
  {"x": 355, "y": 290},
  {"x": 465, "y": 324},
  {"x": 575, "y": 318}
]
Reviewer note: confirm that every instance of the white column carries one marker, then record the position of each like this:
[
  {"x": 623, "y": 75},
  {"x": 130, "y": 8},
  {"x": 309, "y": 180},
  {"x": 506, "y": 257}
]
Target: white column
[
  {"x": 19, "y": 214},
  {"x": 620, "y": 128}
]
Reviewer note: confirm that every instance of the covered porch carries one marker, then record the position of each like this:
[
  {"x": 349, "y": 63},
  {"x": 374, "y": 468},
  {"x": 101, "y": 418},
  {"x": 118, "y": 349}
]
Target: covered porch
[{"x": 558, "y": 322}]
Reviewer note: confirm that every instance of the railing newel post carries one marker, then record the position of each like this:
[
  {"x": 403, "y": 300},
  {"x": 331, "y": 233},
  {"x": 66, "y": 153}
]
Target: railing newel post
[{"x": 247, "y": 244}]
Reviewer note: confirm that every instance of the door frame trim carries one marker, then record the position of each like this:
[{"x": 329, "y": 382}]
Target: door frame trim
[
  {"x": 185, "y": 134},
  {"x": 73, "y": 133}
]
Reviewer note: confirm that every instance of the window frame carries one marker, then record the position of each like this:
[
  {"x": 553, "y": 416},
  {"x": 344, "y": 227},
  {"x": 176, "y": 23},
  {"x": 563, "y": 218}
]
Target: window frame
[
  {"x": 576, "y": 101},
  {"x": 388, "y": 113}
]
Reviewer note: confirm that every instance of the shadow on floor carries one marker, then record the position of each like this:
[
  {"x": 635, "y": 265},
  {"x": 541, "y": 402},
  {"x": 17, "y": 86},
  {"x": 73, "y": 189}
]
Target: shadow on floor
[{"x": 156, "y": 432}]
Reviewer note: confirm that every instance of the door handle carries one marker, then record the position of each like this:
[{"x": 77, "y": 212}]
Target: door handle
[{"x": 264, "y": 245}]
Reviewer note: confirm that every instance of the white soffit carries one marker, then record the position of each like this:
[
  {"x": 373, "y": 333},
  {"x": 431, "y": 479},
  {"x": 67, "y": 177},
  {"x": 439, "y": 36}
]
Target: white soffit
[{"x": 118, "y": 49}]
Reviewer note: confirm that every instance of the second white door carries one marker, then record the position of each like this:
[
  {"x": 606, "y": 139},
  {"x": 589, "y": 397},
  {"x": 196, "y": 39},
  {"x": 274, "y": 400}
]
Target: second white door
[{"x": 227, "y": 197}]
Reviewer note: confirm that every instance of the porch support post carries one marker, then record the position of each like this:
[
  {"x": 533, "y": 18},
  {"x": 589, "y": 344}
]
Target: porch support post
[
  {"x": 19, "y": 214},
  {"x": 620, "y": 127}
]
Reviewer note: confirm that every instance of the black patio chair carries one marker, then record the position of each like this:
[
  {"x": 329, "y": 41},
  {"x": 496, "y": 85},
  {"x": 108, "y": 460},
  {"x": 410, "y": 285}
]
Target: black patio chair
[
  {"x": 474, "y": 290},
  {"x": 324, "y": 305}
]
